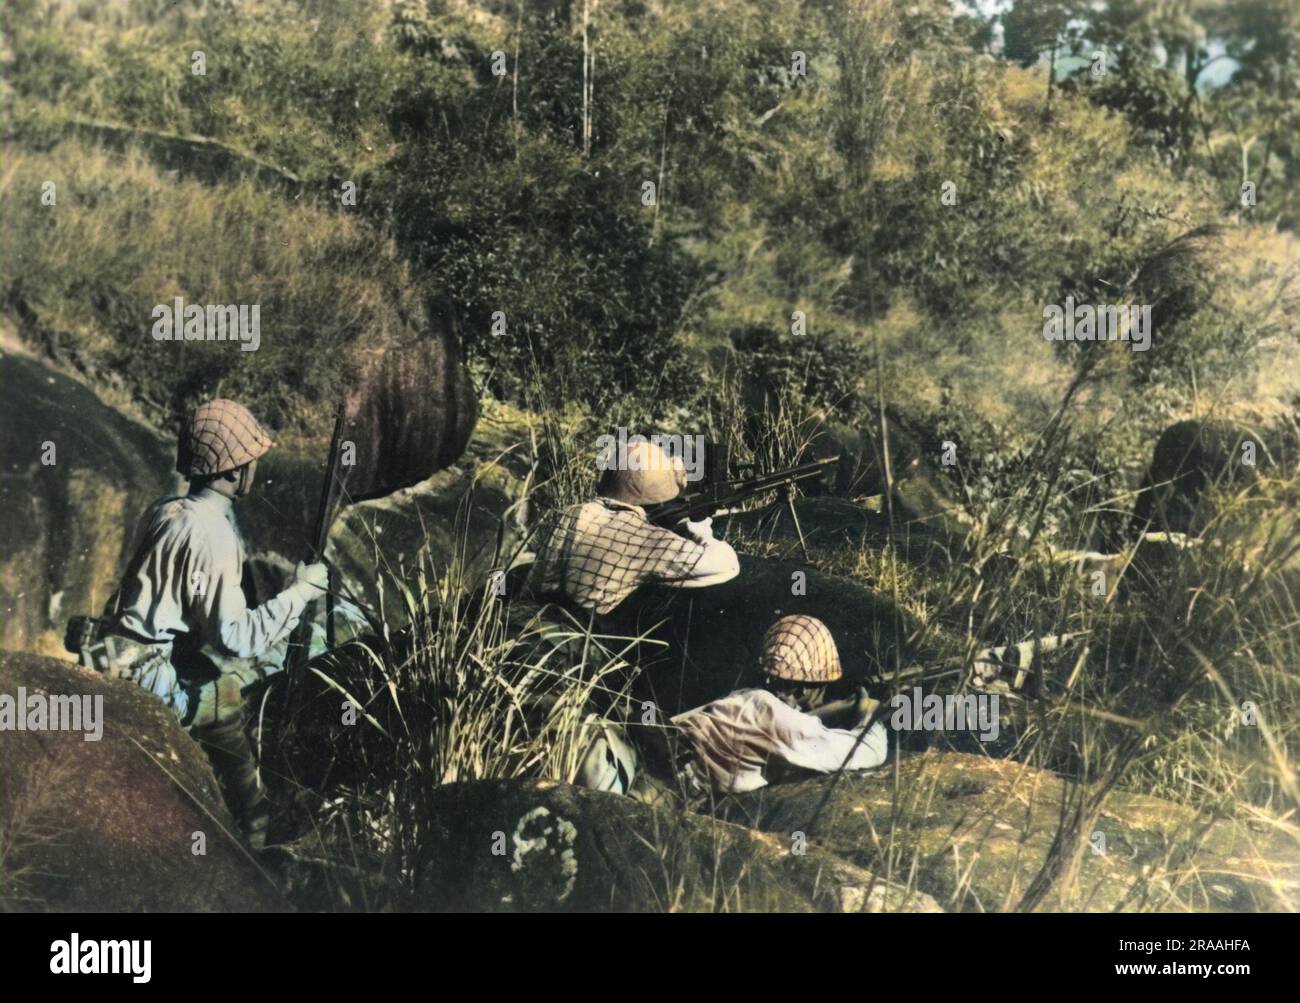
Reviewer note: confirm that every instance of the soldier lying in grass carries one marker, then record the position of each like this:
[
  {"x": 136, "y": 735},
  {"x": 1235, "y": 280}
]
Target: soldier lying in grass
[{"x": 741, "y": 739}]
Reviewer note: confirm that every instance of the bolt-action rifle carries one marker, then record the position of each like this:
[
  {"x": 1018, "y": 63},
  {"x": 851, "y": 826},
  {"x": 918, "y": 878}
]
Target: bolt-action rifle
[{"x": 718, "y": 497}]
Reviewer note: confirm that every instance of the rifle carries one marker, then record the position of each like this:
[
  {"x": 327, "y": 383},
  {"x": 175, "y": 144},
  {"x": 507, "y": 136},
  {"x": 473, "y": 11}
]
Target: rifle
[
  {"x": 716, "y": 498},
  {"x": 300, "y": 639},
  {"x": 1011, "y": 664}
]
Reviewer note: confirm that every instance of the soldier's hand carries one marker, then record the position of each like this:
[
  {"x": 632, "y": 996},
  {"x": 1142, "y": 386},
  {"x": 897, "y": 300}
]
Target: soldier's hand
[
  {"x": 316, "y": 576},
  {"x": 866, "y": 707},
  {"x": 702, "y": 530}
]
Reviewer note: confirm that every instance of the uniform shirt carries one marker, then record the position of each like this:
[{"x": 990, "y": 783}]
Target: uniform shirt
[
  {"x": 185, "y": 579},
  {"x": 599, "y": 553},
  {"x": 735, "y": 739}
]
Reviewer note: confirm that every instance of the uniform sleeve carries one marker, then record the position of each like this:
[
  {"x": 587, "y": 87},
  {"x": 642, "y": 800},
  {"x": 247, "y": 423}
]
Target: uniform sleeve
[
  {"x": 689, "y": 564},
  {"x": 802, "y": 740},
  {"x": 213, "y": 580},
  {"x": 716, "y": 565}
]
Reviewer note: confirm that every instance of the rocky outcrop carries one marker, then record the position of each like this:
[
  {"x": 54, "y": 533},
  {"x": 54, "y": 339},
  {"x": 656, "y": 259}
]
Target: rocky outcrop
[
  {"x": 114, "y": 825},
  {"x": 1194, "y": 456},
  {"x": 508, "y": 846},
  {"x": 977, "y": 831},
  {"x": 78, "y": 474},
  {"x": 76, "y": 477}
]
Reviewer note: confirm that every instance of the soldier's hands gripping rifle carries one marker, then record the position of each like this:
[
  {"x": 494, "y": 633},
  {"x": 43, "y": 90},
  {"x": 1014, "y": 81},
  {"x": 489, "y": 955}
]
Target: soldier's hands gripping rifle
[{"x": 719, "y": 497}]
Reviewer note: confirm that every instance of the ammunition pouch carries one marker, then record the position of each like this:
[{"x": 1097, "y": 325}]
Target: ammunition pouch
[
  {"x": 82, "y": 632},
  {"x": 98, "y": 648},
  {"x": 102, "y": 654}
]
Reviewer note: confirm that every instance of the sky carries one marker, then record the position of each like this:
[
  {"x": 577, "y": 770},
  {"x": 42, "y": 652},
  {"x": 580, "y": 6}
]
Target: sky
[{"x": 1214, "y": 76}]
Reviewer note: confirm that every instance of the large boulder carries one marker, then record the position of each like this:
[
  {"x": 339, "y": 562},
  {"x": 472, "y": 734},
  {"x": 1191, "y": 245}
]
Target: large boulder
[
  {"x": 77, "y": 476},
  {"x": 520, "y": 845},
  {"x": 1194, "y": 456},
  {"x": 976, "y": 831},
  {"x": 114, "y": 825}
]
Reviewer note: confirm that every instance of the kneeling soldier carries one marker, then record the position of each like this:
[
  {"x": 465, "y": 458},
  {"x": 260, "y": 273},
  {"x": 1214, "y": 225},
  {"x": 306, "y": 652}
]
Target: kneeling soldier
[{"x": 179, "y": 624}]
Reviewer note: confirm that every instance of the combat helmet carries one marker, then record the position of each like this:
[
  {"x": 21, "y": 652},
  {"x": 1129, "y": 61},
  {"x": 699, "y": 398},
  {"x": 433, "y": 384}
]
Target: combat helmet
[
  {"x": 800, "y": 649},
  {"x": 221, "y": 435},
  {"x": 643, "y": 475}
]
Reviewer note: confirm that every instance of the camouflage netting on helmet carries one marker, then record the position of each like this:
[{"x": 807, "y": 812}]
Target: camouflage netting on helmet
[
  {"x": 222, "y": 435},
  {"x": 800, "y": 649}
]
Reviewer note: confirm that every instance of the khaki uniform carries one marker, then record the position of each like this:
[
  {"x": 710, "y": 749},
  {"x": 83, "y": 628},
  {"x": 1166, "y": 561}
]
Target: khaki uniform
[
  {"x": 183, "y": 590},
  {"x": 739, "y": 738}
]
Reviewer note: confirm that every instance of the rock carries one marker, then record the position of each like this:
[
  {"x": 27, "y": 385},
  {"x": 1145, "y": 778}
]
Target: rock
[
  {"x": 74, "y": 510},
  {"x": 521, "y": 845},
  {"x": 109, "y": 825},
  {"x": 1193, "y": 456},
  {"x": 78, "y": 475},
  {"x": 977, "y": 831}
]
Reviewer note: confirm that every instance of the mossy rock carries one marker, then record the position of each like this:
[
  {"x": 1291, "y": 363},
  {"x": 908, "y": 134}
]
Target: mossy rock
[
  {"x": 71, "y": 506},
  {"x": 1193, "y": 458},
  {"x": 110, "y": 825},
  {"x": 523, "y": 845}
]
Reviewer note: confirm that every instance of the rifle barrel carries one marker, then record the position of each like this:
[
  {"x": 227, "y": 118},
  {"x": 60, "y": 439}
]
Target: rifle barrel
[
  {"x": 776, "y": 477},
  {"x": 722, "y": 495}
]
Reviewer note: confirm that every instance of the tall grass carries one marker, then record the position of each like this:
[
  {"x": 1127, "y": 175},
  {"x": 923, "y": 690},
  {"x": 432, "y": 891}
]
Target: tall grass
[
  {"x": 474, "y": 686},
  {"x": 82, "y": 278}
]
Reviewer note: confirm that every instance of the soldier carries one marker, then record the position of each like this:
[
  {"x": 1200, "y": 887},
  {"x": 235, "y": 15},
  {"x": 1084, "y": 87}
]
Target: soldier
[
  {"x": 179, "y": 624},
  {"x": 738, "y": 740},
  {"x": 600, "y": 552}
]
